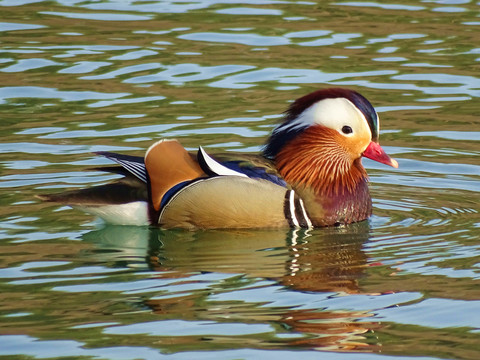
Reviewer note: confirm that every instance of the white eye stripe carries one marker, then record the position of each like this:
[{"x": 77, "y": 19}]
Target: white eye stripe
[
  {"x": 298, "y": 123},
  {"x": 334, "y": 113},
  {"x": 340, "y": 112}
]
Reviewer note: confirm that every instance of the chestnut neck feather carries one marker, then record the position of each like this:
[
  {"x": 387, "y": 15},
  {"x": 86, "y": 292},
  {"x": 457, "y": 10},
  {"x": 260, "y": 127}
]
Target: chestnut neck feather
[{"x": 316, "y": 160}]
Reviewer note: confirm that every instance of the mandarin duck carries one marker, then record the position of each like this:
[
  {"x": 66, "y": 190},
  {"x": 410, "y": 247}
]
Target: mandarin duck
[{"x": 310, "y": 174}]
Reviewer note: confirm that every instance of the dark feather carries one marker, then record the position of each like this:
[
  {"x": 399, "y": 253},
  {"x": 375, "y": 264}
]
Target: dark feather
[
  {"x": 113, "y": 169},
  {"x": 134, "y": 164},
  {"x": 254, "y": 166},
  {"x": 255, "y": 172},
  {"x": 125, "y": 190},
  {"x": 278, "y": 139}
]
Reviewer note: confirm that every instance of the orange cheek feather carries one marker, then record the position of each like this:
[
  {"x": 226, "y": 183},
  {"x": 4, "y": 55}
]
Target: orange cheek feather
[{"x": 322, "y": 159}]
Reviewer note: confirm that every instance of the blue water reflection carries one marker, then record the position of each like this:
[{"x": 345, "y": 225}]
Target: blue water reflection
[{"x": 79, "y": 77}]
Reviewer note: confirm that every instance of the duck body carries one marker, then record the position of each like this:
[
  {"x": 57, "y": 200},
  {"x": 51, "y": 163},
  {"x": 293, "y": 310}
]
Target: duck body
[{"x": 309, "y": 175}]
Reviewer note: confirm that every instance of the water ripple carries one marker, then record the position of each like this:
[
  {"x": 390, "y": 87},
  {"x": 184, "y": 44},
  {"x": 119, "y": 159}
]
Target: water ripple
[
  {"x": 98, "y": 16},
  {"x": 245, "y": 39},
  {"x": 8, "y": 26},
  {"x": 87, "y": 76},
  {"x": 18, "y": 92}
]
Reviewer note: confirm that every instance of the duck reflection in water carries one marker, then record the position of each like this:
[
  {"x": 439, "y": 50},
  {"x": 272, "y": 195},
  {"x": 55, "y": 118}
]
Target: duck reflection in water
[{"x": 320, "y": 261}]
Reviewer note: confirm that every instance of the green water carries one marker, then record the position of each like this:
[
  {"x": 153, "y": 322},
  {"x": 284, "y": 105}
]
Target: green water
[{"x": 84, "y": 76}]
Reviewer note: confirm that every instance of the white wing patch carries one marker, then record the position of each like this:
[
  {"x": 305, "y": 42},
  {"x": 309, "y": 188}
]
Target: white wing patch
[{"x": 214, "y": 166}]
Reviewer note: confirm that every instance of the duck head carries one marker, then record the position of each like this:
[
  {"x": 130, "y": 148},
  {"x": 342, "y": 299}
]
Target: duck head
[{"x": 322, "y": 139}]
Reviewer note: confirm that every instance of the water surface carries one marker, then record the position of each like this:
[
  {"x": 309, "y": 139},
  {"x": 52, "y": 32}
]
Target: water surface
[{"x": 78, "y": 77}]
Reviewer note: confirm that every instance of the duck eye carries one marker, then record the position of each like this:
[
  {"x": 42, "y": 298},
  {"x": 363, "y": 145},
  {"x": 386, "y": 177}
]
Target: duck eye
[{"x": 347, "y": 130}]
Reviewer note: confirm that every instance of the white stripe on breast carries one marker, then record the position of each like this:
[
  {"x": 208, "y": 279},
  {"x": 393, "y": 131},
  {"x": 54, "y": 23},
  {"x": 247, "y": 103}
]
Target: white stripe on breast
[{"x": 291, "y": 200}]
